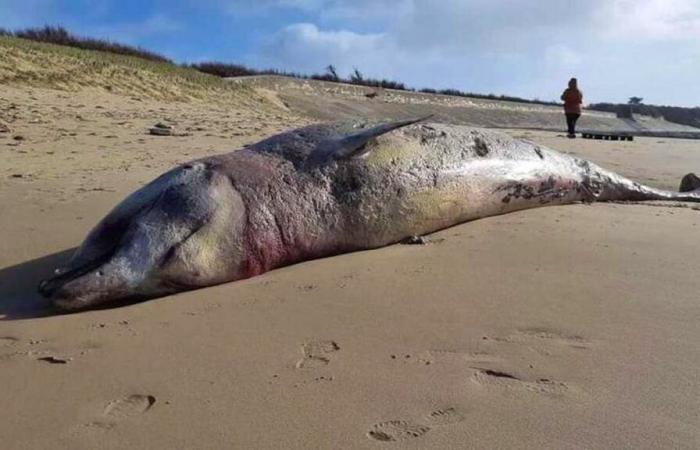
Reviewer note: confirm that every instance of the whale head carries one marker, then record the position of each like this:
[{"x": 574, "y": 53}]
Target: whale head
[{"x": 182, "y": 231}]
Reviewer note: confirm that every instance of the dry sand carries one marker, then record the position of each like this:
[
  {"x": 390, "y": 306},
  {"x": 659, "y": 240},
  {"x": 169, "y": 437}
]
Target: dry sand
[{"x": 562, "y": 327}]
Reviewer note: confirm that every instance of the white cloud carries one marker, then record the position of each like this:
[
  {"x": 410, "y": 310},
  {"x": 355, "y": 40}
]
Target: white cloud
[
  {"x": 651, "y": 19},
  {"x": 617, "y": 48},
  {"x": 305, "y": 48},
  {"x": 560, "y": 55}
]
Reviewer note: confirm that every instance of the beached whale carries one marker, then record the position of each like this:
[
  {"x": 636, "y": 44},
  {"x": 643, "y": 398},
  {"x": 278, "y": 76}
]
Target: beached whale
[{"x": 319, "y": 191}]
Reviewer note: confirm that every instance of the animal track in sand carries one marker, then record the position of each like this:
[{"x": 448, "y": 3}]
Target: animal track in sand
[
  {"x": 505, "y": 380},
  {"x": 396, "y": 430},
  {"x": 130, "y": 406},
  {"x": 445, "y": 416},
  {"x": 316, "y": 354}
]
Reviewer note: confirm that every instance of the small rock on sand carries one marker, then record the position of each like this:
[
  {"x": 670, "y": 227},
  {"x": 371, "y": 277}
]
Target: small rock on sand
[
  {"x": 161, "y": 129},
  {"x": 416, "y": 240}
]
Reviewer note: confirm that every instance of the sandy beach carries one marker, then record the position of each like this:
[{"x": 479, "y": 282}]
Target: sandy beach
[{"x": 564, "y": 327}]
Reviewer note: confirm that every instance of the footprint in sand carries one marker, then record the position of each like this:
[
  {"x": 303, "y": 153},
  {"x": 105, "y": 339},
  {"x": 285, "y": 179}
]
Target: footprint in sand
[
  {"x": 6, "y": 341},
  {"x": 130, "y": 406},
  {"x": 506, "y": 381},
  {"x": 445, "y": 416},
  {"x": 401, "y": 430},
  {"x": 13, "y": 348},
  {"x": 316, "y": 354},
  {"x": 120, "y": 409},
  {"x": 7, "y": 348},
  {"x": 396, "y": 430}
]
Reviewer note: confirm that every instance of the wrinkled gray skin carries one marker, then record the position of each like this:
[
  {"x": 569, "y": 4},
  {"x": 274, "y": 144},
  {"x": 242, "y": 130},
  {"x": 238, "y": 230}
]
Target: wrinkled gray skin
[{"x": 319, "y": 191}]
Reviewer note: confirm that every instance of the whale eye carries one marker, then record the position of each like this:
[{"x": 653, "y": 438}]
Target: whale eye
[{"x": 194, "y": 166}]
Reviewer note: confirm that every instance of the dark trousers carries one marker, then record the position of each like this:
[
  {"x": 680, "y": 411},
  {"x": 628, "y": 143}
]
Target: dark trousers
[{"x": 571, "y": 119}]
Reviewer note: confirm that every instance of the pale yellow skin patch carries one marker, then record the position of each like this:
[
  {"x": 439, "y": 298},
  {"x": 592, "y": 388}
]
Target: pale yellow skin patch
[
  {"x": 393, "y": 151},
  {"x": 451, "y": 178},
  {"x": 207, "y": 254}
]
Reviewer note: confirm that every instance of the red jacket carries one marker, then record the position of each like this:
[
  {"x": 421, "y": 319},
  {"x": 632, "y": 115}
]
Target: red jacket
[{"x": 572, "y": 101}]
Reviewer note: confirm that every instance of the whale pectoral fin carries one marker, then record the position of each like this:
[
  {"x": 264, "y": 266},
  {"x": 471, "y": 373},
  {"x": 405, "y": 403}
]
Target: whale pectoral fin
[
  {"x": 355, "y": 145},
  {"x": 689, "y": 183}
]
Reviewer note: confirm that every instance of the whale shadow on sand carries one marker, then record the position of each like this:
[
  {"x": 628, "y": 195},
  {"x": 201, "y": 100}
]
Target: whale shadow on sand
[
  {"x": 19, "y": 289},
  {"x": 19, "y": 297}
]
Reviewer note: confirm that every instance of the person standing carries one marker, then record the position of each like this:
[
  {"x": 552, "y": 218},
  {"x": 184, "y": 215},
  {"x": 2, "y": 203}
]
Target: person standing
[{"x": 572, "y": 98}]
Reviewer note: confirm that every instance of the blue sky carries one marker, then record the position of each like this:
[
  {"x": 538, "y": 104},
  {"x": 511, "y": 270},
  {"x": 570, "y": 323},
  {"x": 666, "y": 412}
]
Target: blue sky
[{"x": 617, "y": 48}]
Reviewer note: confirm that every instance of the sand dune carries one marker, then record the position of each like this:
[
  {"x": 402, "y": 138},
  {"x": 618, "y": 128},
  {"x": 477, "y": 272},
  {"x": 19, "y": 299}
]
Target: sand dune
[{"x": 562, "y": 327}]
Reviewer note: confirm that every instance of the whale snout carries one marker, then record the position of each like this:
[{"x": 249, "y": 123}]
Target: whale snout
[
  {"x": 79, "y": 289},
  {"x": 65, "y": 300},
  {"x": 64, "y": 295}
]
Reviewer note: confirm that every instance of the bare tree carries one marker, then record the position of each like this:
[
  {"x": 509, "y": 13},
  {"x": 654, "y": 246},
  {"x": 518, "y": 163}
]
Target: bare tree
[
  {"x": 332, "y": 73},
  {"x": 356, "y": 76}
]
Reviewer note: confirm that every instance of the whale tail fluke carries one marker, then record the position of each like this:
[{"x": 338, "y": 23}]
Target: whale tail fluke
[
  {"x": 689, "y": 183},
  {"x": 619, "y": 188}
]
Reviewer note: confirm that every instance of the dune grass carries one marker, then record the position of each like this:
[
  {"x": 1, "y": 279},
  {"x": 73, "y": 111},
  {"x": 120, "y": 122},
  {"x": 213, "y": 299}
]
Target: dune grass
[
  {"x": 40, "y": 64},
  {"x": 61, "y": 36}
]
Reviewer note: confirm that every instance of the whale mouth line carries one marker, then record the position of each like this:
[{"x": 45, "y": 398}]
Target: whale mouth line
[
  {"x": 73, "y": 305},
  {"x": 48, "y": 287}
]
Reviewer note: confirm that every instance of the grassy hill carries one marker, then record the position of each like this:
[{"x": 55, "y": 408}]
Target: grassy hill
[{"x": 38, "y": 64}]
